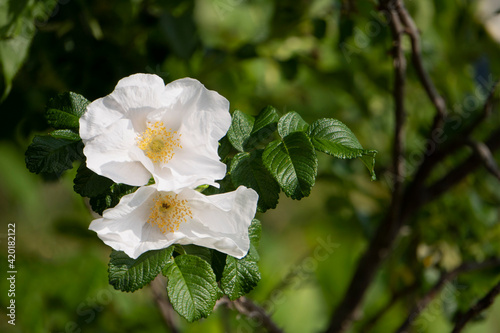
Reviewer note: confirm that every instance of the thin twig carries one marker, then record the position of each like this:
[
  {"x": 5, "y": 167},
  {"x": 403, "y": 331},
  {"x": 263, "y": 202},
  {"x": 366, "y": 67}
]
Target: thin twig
[
  {"x": 480, "y": 306},
  {"x": 445, "y": 278},
  {"x": 462, "y": 170},
  {"x": 486, "y": 157},
  {"x": 251, "y": 310},
  {"x": 387, "y": 231},
  {"x": 167, "y": 312},
  {"x": 436, "y": 99}
]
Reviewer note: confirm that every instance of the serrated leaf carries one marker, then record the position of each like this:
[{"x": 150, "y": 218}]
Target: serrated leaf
[
  {"x": 240, "y": 276},
  {"x": 110, "y": 198},
  {"x": 332, "y": 137},
  {"x": 89, "y": 184},
  {"x": 291, "y": 122},
  {"x": 254, "y": 232},
  {"x": 127, "y": 274},
  {"x": 264, "y": 126},
  {"x": 192, "y": 287},
  {"x": 64, "y": 110},
  {"x": 293, "y": 163},
  {"x": 241, "y": 127},
  {"x": 247, "y": 169},
  {"x": 50, "y": 155},
  {"x": 65, "y": 134}
]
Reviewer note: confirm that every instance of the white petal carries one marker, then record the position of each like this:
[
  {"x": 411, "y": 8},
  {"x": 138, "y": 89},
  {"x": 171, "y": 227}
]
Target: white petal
[
  {"x": 121, "y": 227},
  {"x": 220, "y": 221},
  {"x": 109, "y": 154}
]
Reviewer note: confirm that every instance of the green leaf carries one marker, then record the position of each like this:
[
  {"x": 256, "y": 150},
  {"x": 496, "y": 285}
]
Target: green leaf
[
  {"x": 291, "y": 122},
  {"x": 332, "y": 137},
  {"x": 110, "y": 198},
  {"x": 127, "y": 274},
  {"x": 89, "y": 184},
  {"x": 218, "y": 263},
  {"x": 65, "y": 134},
  {"x": 247, "y": 169},
  {"x": 293, "y": 163},
  {"x": 65, "y": 110},
  {"x": 50, "y": 155},
  {"x": 241, "y": 127},
  {"x": 240, "y": 276},
  {"x": 192, "y": 287},
  {"x": 264, "y": 126},
  {"x": 224, "y": 148}
]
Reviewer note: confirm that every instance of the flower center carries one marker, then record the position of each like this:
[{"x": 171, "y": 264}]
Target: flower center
[
  {"x": 158, "y": 143},
  {"x": 168, "y": 212}
]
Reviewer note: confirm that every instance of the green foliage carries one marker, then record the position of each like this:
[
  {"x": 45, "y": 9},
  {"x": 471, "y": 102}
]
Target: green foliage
[
  {"x": 52, "y": 155},
  {"x": 89, "y": 184},
  {"x": 129, "y": 275},
  {"x": 64, "y": 111},
  {"x": 332, "y": 137},
  {"x": 247, "y": 169},
  {"x": 192, "y": 287},
  {"x": 289, "y": 164},
  {"x": 291, "y": 122},
  {"x": 109, "y": 198},
  {"x": 55, "y": 153},
  {"x": 293, "y": 163},
  {"x": 240, "y": 276}
]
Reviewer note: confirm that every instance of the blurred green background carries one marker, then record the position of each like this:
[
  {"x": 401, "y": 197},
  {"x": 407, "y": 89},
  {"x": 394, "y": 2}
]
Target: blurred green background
[{"x": 322, "y": 58}]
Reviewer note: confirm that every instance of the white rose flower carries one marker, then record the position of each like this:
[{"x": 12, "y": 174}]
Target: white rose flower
[
  {"x": 149, "y": 219},
  {"x": 144, "y": 128}
]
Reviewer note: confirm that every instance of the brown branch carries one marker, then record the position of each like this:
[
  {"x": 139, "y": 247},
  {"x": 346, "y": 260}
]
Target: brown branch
[
  {"x": 251, "y": 310},
  {"x": 430, "y": 89},
  {"x": 445, "y": 278},
  {"x": 167, "y": 312},
  {"x": 486, "y": 157},
  {"x": 387, "y": 231},
  {"x": 477, "y": 308},
  {"x": 461, "y": 171}
]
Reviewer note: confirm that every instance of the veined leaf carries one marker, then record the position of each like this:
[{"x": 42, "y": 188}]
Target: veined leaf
[
  {"x": 291, "y": 122},
  {"x": 241, "y": 127},
  {"x": 127, "y": 274},
  {"x": 64, "y": 110},
  {"x": 240, "y": 276},
  {"x": 293, "y": 163},
  {"x": 192, "y": 287},
  {"x": 50, "y": 155},
  {"x": 332, "y": 137},
  {"x": 247, "y": 169}
]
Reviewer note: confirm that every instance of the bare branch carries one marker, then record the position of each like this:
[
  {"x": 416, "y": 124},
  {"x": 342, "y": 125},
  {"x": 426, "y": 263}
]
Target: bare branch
[
  {"x": 445, "y": 278},
  {"x": 481, "y": 305},
  {"x": 167, "y": 312},
  {"x": 387, "y": 231},
  {"x": 462, "y": 170},
  {"x": 251, "y": 310},
  {"x": 486, "y": 157},
  {"x": 412, "y": 31}
]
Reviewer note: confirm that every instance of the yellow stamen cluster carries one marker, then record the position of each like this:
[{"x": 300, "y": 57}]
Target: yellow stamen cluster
[
  {"x": 158, "y": 143},
  {"x": 168, "y": 212}
]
